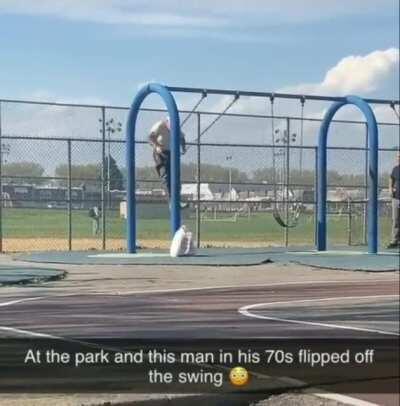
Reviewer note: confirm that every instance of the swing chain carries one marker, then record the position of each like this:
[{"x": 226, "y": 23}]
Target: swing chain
[
  {"x": 203, "y": 96},
  {"x": 271, "y": 99},
  {"x": 219, "y": 116},
  {"x": 296, "y": 207},
  {"x": 393, "y": 107},
  {"x": 303, "y": 102}
]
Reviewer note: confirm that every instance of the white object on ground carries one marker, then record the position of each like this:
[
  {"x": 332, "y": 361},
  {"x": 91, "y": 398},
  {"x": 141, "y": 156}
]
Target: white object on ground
[{"x": 182, "y": 243}]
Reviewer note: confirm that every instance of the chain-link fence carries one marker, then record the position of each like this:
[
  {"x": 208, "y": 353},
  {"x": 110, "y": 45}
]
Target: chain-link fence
[{"x": 59, "y": 162}]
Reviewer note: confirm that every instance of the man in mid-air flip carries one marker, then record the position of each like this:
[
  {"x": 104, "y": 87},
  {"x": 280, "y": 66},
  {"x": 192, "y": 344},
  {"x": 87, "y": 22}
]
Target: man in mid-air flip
[{"x": 159, "y": 139}]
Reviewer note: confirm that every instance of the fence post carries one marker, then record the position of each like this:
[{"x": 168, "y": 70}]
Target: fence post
[
  {"x": 365, "y": 217},
  {"x": 315, "y": 196},
  {"x": 198, "y": 212},
  {"x": 103, "y": 179},
  {"x": 69, "y": 195},
  {"x": 287, "y": 180},
  {"x": 1, "y": 186},
  {"x": 349, "y": 222}
]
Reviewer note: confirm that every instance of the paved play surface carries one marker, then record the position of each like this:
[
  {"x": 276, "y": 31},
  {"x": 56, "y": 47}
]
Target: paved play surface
[
  {"x": 289, "y": 309},
  {"x": 270, "y": 300}
]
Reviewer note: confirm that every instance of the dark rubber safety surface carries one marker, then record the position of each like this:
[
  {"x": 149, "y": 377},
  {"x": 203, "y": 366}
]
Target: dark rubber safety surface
[
  {"x": 336, "y": 259},
  {"x": 14, "y": 275}
]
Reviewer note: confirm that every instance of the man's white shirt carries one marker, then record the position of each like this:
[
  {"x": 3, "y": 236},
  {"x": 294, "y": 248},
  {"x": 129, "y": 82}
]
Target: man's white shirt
[{"x": 161, "y": 133}]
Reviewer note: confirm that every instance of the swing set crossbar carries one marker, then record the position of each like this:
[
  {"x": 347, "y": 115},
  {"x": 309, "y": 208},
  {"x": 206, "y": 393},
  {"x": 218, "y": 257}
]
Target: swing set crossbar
[
  {"x": 291, "y": 220},
  {"x": 275, "y": 95}
]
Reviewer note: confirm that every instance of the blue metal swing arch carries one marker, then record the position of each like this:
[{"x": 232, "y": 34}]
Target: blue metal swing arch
[
  {"x": 175, "y": 200},
  {"x": 373, "y": 145}
]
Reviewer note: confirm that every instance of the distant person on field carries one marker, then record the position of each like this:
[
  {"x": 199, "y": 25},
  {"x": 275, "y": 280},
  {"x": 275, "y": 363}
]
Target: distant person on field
[
  {"x": 95, "y": 214},
  {"x": 394, "y": 189},
  {"x": 159, "y": 139}
]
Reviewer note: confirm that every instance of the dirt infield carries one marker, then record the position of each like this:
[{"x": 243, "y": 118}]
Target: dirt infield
[
  {"x": 60, "y": 244},
  {"x": 82, "y": 244}
]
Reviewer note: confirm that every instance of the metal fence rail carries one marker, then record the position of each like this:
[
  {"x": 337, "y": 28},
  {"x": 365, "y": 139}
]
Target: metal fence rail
[{"x": 58, "y": 160}]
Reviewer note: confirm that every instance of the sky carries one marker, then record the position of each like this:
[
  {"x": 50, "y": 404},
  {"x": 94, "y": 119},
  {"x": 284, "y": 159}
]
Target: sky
[{"x": 102, "y": 51}]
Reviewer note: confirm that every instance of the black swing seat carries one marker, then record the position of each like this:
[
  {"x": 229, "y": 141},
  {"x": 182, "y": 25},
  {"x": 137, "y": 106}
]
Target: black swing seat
[{"x": 279, "y": 220}]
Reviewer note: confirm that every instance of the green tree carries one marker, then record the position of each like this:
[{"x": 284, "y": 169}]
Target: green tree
[
  {"x": 23, "y": 172},
  {"x": 212, "y": 173},
  {"x": 115, "y": 175},
  {"x": 209, "y": 173},
  {"x": 90, "y": 174},
  {"x": 218, "y": 173},
  {"x": 263, "y": 175},
  {"x": 307, "y": 177}
]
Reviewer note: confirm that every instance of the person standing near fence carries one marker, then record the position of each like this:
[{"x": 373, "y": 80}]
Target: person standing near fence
[
  {"x": 95, "y": 214},
  {"x": 394, "y": 189},
  {"x": 159, "y": 139}
]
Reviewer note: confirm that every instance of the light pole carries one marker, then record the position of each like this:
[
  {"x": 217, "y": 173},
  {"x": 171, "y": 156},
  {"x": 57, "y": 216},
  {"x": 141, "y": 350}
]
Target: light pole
[
  {"x": 229, "y": 158},
  {"x": 4, "y": 150},
  {"x": 111, "y": 126},
  {"x": 285, "y": 139}
]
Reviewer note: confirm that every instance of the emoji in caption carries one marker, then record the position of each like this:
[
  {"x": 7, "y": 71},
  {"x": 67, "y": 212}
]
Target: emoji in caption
[{"x": 239, "y": 376}]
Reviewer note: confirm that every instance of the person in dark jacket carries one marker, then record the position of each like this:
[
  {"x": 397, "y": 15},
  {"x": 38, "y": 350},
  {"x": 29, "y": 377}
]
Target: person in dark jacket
[{"x": 394, "y": 189}]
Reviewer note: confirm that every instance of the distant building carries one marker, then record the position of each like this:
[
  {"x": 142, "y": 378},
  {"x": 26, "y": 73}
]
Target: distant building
[
  {"x": 189, "y": 191},
  {"x": 24, "y": 195},
  {"x": 224, "y": 191},
  {"x": 20, "y": 195},
  {"x": 345, "y": 194},
  {"x": 6, "y": 198}
]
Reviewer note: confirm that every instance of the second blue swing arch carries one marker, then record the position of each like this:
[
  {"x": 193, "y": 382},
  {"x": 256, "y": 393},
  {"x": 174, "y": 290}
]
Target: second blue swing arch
[{"x": 373, "y": 145}]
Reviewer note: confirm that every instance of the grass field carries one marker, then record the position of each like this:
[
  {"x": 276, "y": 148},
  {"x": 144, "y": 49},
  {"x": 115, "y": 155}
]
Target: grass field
[{"x": 259, "y": 228}]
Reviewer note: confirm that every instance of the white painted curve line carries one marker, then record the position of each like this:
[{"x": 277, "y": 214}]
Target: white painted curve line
[
  {"x": 29, "y": 333},
  {"x": 12, "y": 302},
  {"x": 337, "y": 397},
  {"x": 345, "y": 399},
  {"x": 54, "y": 337},
  {"x": 323, "y": 299},
  {"x": 21, "y": 331},
  {"x": 245, "y": 312}
]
